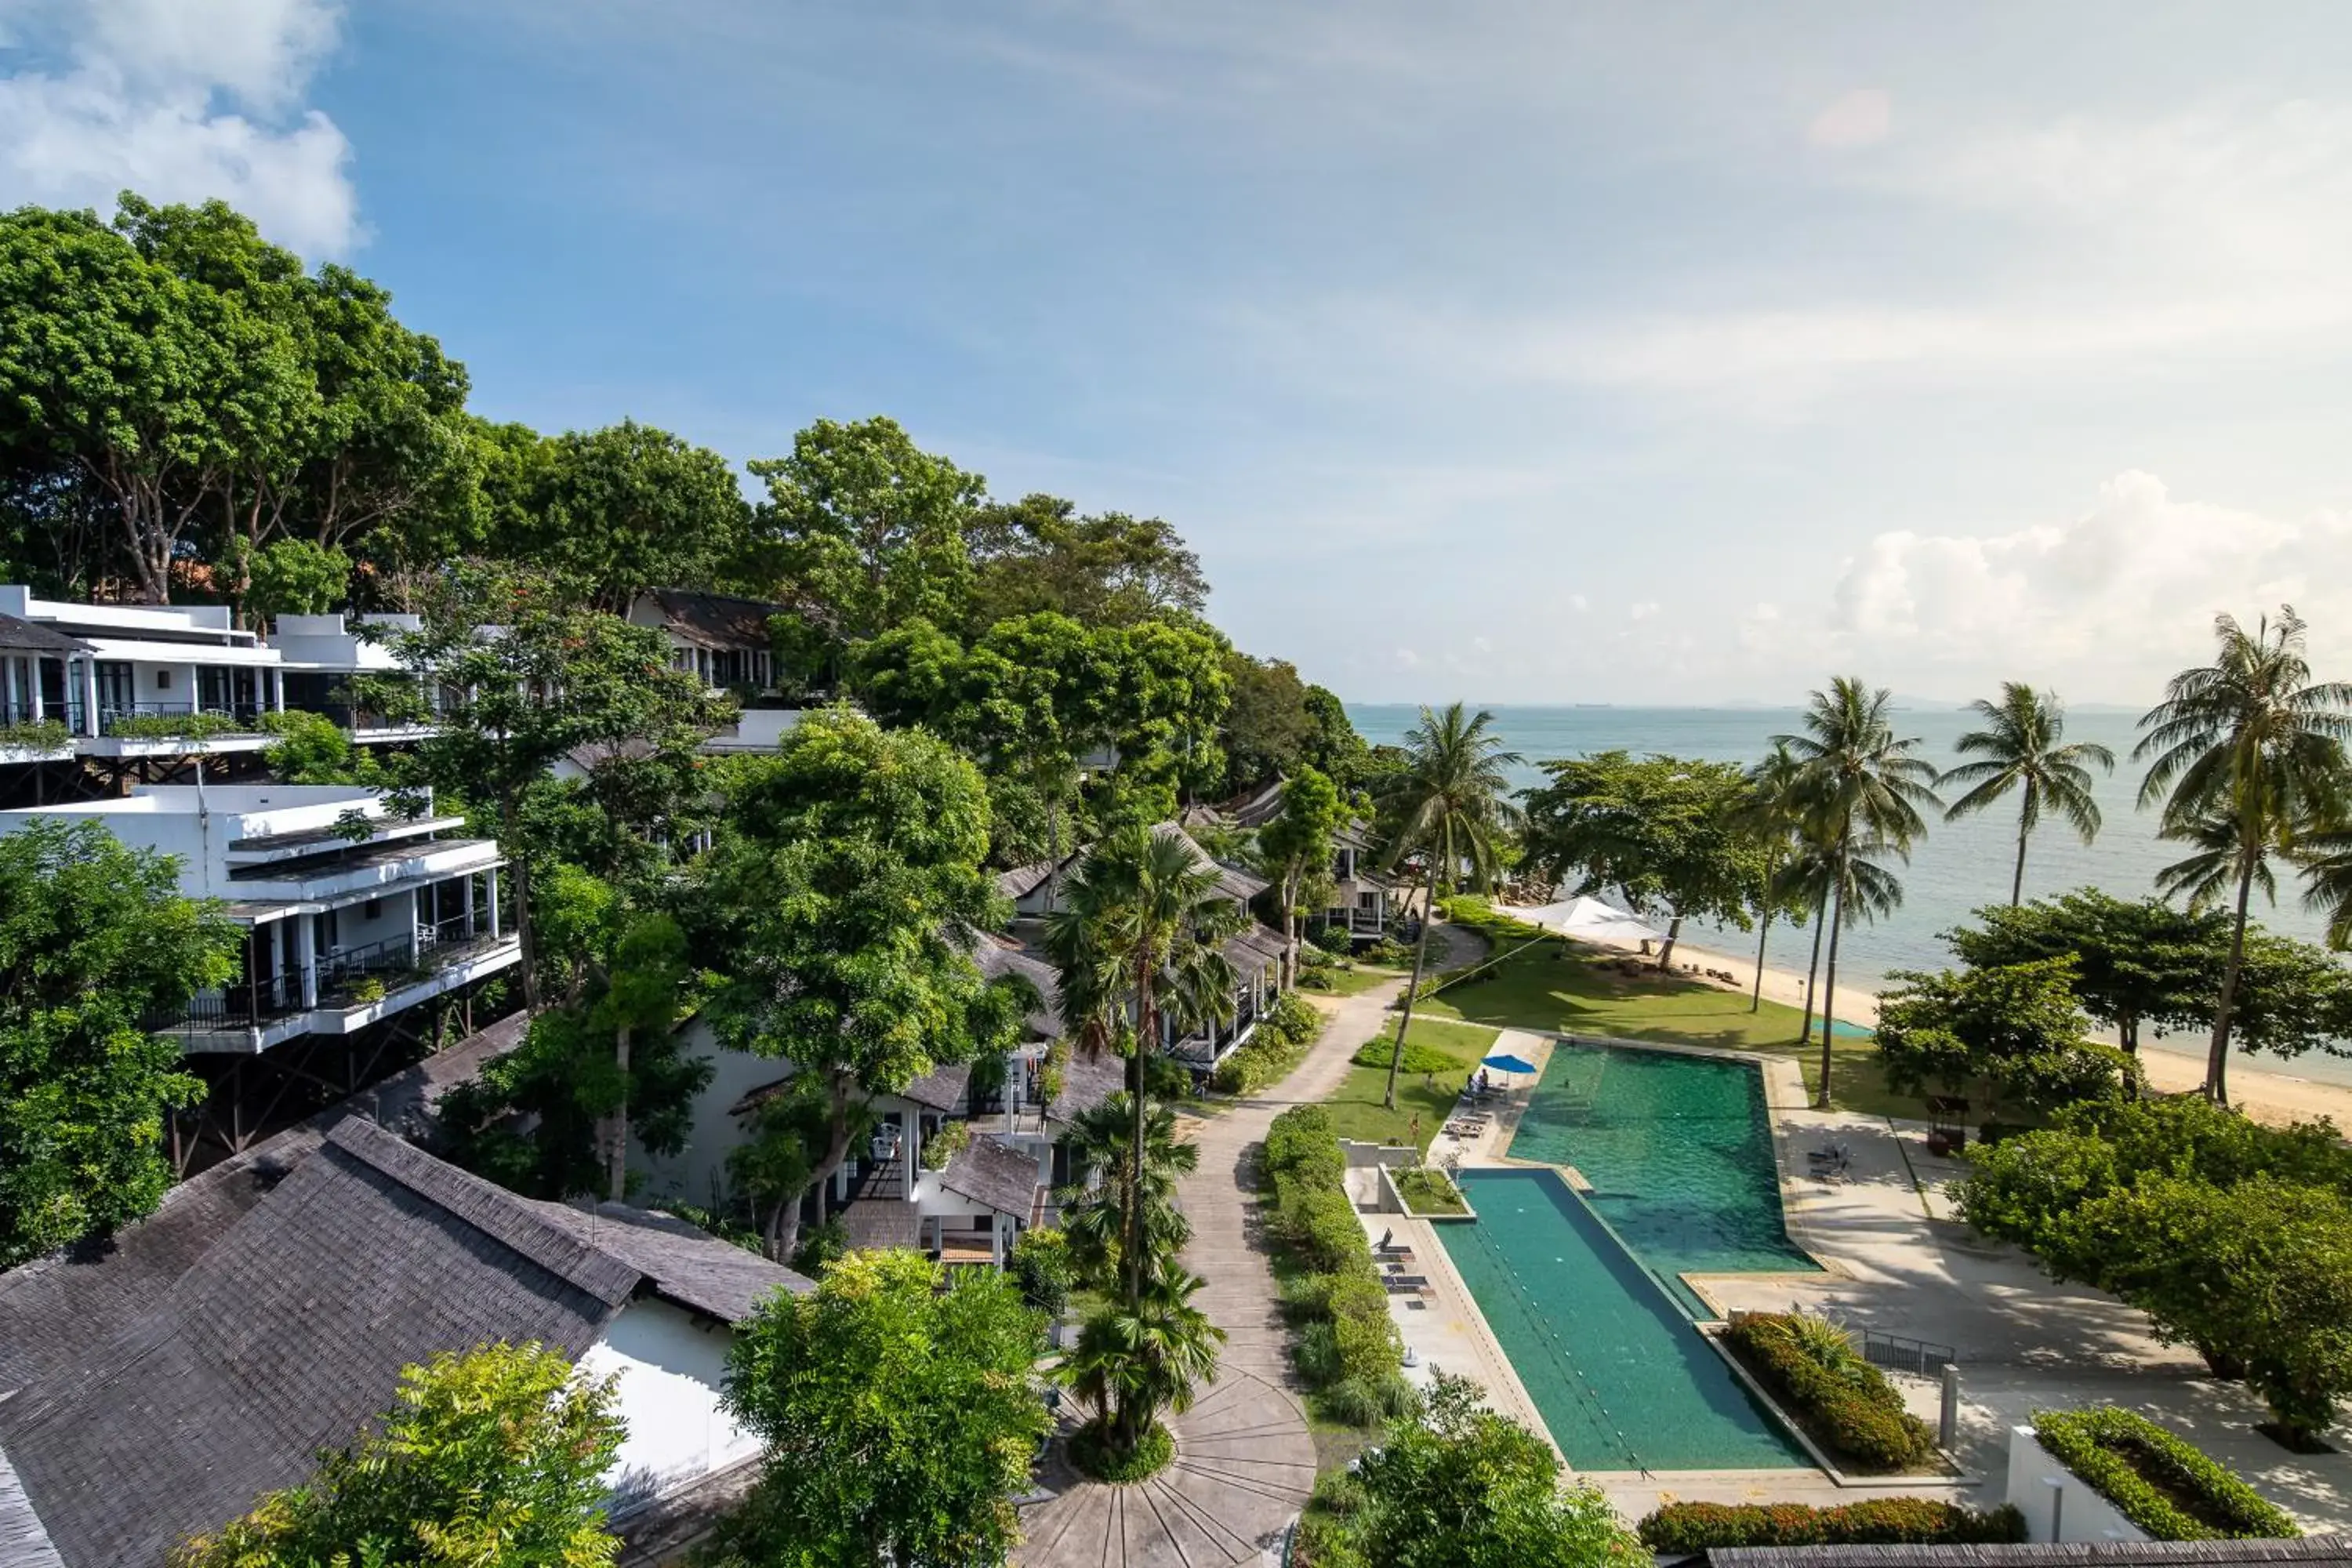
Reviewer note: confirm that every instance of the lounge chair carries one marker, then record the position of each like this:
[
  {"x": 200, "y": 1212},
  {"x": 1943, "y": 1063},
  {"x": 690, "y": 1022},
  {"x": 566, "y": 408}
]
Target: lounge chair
[{"x": 1404, "y": 1284}]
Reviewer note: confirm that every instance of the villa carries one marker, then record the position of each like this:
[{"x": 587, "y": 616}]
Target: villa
[
  {"x": 157, "y": 1386},
  {"x": 354, "y": 919}
]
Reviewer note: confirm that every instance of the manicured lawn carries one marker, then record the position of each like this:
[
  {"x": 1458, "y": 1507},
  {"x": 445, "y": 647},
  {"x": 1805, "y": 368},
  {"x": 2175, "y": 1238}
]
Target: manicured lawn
[
  {"x": 1355, "y": 982},
  {"x": 1357, "y": 1112},
  {"x": 1540, "y": 990}
]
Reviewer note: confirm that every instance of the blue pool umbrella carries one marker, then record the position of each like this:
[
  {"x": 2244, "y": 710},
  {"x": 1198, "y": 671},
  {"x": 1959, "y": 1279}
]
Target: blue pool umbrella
[{"x": 1503, "y": 1061}]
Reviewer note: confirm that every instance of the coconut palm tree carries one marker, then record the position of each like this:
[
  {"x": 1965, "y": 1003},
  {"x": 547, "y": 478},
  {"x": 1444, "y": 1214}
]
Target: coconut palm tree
[
  {"x": 2251, "y": 741},
  {"x": 1450, "y": 806},
  {"x": 1100, "y": 1145},
  {"x": 1773, "y": 815},
  {"x": 1135, "y": 948},
  {"x": 1135, "y": 1359},
  {"x": 1864, "y": 788},
  {"x": 1868, "y": 891},
  {"x": 2024, "y": 747}
]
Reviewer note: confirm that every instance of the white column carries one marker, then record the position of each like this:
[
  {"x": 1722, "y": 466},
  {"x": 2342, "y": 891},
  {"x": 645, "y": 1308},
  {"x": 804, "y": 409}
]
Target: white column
[
  {"x": 32, "y": 668},
  {"x": 469, "y": 908},
  {"x": 492, "y": 877},
  {"x": 9, "y": 679},
  {"x": 195, "y": 690},
  {"x": 911, "y": 1134},
  {"x": 89, "y": 695},
  {"x": 996, "y": 1237},
  {"x": 278, "y": 690},
  {"x": 415, "y": 905},
  {"x": 305, "y": 957}
]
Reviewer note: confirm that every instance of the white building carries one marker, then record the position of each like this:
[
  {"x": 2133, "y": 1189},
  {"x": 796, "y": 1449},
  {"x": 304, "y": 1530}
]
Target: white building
[{"x": 352, "y": 913}]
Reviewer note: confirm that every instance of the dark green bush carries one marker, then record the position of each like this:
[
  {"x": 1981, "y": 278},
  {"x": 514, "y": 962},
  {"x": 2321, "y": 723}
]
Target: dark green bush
[
  {"x": 2155, "y": 1479},
  {"x": 1332, "y": 939},
  {"x": 1348, "y": 1336},
  {"x": 1878, "y": 1522},
  {"x": 1418, "y": 1057},
  {"x": 1368, "y": 1402},
  {"x": 1849, "y": 1409}
]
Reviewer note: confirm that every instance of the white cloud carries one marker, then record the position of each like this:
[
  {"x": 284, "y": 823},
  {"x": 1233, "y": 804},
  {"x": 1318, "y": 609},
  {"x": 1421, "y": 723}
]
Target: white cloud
[
  {"x": 182, "y": 100},
  {"x": 2115, "y": 600},
  {"x": 1642, "y": 610},
  {"x": 1859, "y": 119},
  {"x": 1579, "y": 603}
]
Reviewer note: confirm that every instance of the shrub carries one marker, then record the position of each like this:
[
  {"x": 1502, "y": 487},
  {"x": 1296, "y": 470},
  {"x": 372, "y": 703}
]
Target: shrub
[
  {"x": 1418, "y": 1057},
  {"x": 49, "y": 735},
  {"x": 1368, "y": 1402},
  {"x": 941, "y": 1147},
  {"x": 1301, "y": 1138},
  {"x": 1091, "y": 1452},
  {"x": 1844, "y": 1403},
  {"x": 2155, "y": 1479},
  {"x": 1290, "y": 1025},
  {"x": 1680, "y": 1527},
  {"x": 1347, "y": 1336},
  {"x": 1042, "y": 1267},
  {"x": 1292, "y": 1019},
  {"x": 1332, "y": 939},
  {"x": 1428, "y": 1191},
  {"x": 1387, "y": 954}
]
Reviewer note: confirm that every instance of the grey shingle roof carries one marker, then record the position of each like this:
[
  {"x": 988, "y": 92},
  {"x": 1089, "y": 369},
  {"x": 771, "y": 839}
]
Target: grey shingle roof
[
  {"x": 716, "y": 620},
  {"x": 997, "y": 958},
  {"x": 995, "y": 1176},
  {"x": 941, "y": 1089},
  {"x": 1233, "y": 882},
  {"x": 292, "y": 1327},
  {"x": 1087, "y": 1083},
  {"x": 23, "y": 1542},
  {"x": 19, "y": 636}
]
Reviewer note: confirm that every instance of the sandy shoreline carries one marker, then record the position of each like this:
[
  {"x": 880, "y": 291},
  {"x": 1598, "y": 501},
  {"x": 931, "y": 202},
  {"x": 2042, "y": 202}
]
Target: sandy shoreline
[{"x": 2264, "y": 1094}]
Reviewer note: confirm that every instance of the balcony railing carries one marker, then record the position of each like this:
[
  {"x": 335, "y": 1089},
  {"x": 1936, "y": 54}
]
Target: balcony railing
[
  {"x": 177, "y": 721},
  {"x": 20, "y": 711},
  {"x": 342, "y": 981}
]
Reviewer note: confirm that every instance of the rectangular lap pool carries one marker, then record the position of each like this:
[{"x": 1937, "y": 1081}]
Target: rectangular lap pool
[
  {"x": 1619, "y": 1374},
  {"x": 1678, "y": 1150}
]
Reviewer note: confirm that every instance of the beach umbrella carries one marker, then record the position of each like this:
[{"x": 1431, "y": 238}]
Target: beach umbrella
[{"x": 1503, "y": 1061}]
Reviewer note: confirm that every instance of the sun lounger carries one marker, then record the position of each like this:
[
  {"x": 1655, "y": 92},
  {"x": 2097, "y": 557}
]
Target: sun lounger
[{"x": 1403, "y": 1284}]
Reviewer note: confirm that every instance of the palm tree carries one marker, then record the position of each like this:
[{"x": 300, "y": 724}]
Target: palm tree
[
  {"x": 1095, "y": 1205},
  {"x": 1135, "y": 948},
  {"x": 2253, "y": 742},
  {"x": 2024, "y": 747},
  {"x": 1862, "y": 790},
  {"x": 1867, "y": 891},
  {"x": 1773, "y": 815},
  {"x": 1135, "y": 1359},
  {"x": 1451, "y": 806}
]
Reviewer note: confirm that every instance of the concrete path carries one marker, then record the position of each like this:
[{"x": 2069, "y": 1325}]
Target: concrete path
[{"x": 1245, "y": 1460}]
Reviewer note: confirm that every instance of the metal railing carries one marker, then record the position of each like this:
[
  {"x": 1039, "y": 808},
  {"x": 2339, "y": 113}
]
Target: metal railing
[
  {"x": 1900, "y": 1352},
  {"x": 166, "y": 718},
  {"x": 20, "y": 711}
]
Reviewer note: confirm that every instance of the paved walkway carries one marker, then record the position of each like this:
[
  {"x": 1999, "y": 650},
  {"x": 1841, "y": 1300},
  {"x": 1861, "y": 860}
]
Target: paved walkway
[{"x": 1245, "y": 1461}]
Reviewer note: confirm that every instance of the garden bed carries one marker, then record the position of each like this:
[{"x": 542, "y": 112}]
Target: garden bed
[
  {"x": 1428, "y": 1193},
  {"x": 1687, "y": 1527},
  {"x": 2155, "y": 1479},
  {"x": 1845, "y": 1404},
  {"x": 1346, "y": 1347}
]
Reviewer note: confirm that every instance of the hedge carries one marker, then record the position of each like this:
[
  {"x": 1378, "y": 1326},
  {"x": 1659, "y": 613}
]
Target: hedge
[
  {"x": 1347, "y": 1340},
  {"x": 1850, "y": 1410},
  {"x": 2155, "y": 1479},
  {"x": 1878, "y": 1522},
  {"x": 1289, "y": 1026},
  {"x": 1418, "y": 1057}
]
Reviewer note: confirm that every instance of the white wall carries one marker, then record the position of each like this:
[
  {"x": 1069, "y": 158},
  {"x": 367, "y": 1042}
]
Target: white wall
[
  {"x": 2082, "y": 1514},
  {"x": 696, "y": 1173},
  {"x": 671, "y": 1369}
]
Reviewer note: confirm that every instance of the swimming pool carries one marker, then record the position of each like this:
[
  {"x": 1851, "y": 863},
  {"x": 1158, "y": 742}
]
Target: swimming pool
[
  {"x": 1618, "y": 1373},
  {"x": 1678, "y": 1150}
]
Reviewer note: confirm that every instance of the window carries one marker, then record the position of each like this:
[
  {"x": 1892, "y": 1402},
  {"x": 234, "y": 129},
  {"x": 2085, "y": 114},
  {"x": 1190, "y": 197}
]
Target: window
[
  {"x": 162, "y": 680},
  {"x": 371, "y": 908},
  {"x": 1367, "y": 900}
]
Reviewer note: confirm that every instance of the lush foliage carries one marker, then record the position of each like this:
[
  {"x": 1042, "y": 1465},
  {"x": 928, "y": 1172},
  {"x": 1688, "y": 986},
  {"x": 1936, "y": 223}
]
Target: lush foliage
[
  {"x": 1679, "y": 1528},
  {"x": 1456, "y": 1486},
  {"x": 2022, "y": 747},
  {"x": 1093, "y": 1453},
  {"x": 1288, "y": 1027},
  {"x": 1138, "y": 1355},
  {"x": 49, "y": 735},
  {"x": 1347, "y": 1346},
  {"x": 900, "y": 1417},
  {"x": 2155, "y": 1479},
  {"x": 1426, "y": 1190},
  {"x": 1843, "y": 1402},
  {"x": 2015, "y": 1029},
  {"x": 95, "y": 940},
  {"x": 496, "y": 1456}
]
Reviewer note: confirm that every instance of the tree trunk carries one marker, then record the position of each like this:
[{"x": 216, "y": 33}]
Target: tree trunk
[
  {"x": 1147, "y": 1023},
  {"x": 1674, "y": 935},
  {"x": 1290, "y": 931},
  {"x": 1764, "y": 929},
  {"x": 786, "y": 1232},
  {"x": 1053, "y": 849},
  {"x": 1412, "y": 987},
  {"x": 2017, "y": 879},
  {"x": 1829, "y": 988},
  {"x": 526, "y": 931},
  {"x": 617, "y": 1173},
  {"x": 1812, "y": 971},
  {"x": 2217, "y": 1060}
]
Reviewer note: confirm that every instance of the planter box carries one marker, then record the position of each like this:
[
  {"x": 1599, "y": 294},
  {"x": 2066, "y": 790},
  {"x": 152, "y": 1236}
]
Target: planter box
[{"x": 2059, "y": 1505}]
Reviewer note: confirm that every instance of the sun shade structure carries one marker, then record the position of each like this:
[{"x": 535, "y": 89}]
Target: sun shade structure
[
  {"x": 1503, "y": 1061},
  {"x": 1590, "y": 918}
]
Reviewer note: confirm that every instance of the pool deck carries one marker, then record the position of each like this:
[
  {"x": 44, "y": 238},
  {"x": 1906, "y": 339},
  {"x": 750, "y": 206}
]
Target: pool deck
[{"x": 1895, "y": 1258}]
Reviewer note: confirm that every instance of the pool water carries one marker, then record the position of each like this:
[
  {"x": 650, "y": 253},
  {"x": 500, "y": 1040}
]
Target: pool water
[
  {"x": 1617, "y": 1372},
  {"x": 1678, "y": 1150}
]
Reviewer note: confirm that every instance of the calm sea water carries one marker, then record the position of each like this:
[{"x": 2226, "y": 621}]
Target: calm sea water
[{"x": 1959, "y": 867}]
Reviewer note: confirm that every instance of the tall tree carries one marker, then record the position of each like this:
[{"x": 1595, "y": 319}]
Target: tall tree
[
  {"x": 1267, "y": 725},
  {"x": 842, "y": 901},
  {"x": 1772, "y": 815},
  {"x": 612, "y": 512},
  {"x": 526, "y": 681},
  {"x": 95, "y": 940},
  {"x": 1296, "y": 848},
  {"x": 1038, "y": 554},
  {"x": 1142, "y": 1355},
  {"x": 866, "y": 527},
  {"x": 2024, "y": 747},
  {"x": 899, "y": 1415},
  {"x": 1332, "y": 743},
  {"x": 1103, "y": 1189},
  {"x": 2252, "y": 748},
  {"x": 1660, "y": 831},
  {"x": 1450, "y": 806},
  {"x": 1863, "y": 787},
  {"x": 1136, "y": 951},
  {"x": 2134, "y": 962},
  {"x": 496, "y": 1456},
  {"x": 2015, "y": 1028}
]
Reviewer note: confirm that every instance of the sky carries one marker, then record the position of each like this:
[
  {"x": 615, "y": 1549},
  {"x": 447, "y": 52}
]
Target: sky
[{"x": 1517, "y": 351}]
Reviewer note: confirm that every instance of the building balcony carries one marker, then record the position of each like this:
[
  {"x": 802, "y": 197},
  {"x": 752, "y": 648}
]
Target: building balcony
[{"x": 350, "y": 990}]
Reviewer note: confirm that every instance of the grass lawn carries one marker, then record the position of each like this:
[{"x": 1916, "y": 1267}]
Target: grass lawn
[
  {"x": 1357, "y": 1112},
  {"x": 1540, "y": 990},
  {"x": 1355, "y": 982}
]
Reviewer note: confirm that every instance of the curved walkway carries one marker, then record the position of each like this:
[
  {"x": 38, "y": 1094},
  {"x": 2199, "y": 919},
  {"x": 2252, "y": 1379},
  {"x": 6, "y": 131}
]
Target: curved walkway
[{"x": 1245, "y": 1461}]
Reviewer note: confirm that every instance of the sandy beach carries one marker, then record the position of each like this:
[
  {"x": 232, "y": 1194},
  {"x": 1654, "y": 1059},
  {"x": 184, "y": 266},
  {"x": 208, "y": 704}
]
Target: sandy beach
[{"x": 2266, "y": 1094}]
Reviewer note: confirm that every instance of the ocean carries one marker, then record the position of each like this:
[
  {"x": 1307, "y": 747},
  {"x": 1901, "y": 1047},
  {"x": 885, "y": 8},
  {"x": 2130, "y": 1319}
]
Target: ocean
[{"x": 1957, "y": 867}]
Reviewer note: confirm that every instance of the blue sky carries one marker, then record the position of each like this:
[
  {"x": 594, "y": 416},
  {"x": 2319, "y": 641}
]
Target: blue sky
[{"x": 1518, "y": 352}]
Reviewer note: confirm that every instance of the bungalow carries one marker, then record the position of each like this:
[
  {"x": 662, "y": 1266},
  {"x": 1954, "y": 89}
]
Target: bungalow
[
  {"x": 723, "y": 640},
  {"x": 1359, "y": 897},
  {"x": 156, "y": 1386}
]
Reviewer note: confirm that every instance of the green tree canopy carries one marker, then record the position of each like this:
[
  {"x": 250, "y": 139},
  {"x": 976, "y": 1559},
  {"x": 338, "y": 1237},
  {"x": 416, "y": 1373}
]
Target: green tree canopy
[
  {"x": 1039, "y": 554},
  {"x": 610, "y": 514},
  {"x": 866, "y": 528},
  {"x": 840, "y": 903},
  {"x": 496, "y": 1456},
  {"x": 2136, "y": 961},
  {"x": 2015, "y": 1029},
  {"x": 1268, "y": 726},
  {"x": 1659, "y": 830},
  {"x": 900, "y": 1417},
  {"x": 1296, "y": 847},
  {"x": 95, "y": 940}
]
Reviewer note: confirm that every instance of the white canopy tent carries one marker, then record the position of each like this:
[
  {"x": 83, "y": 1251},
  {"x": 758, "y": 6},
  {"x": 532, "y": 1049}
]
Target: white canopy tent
[{"x": 1588, "y": 919}]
